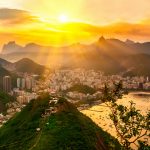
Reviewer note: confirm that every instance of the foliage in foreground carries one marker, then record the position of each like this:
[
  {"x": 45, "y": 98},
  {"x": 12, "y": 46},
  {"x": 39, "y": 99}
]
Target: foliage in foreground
[{"x": 129, "y": 123}]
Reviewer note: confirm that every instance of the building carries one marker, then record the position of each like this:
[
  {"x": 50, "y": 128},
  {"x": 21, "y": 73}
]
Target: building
[
  {"x": 28, "y": 83},
  {"x": 7, "y": 84},
  {"x": 23, "y": 83},
  {"x": 18, "y": 82}
]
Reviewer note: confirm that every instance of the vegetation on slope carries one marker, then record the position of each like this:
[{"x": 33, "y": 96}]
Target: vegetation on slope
[
  {"x": 82, "y": 89},
  {"x": 4, "y": 99},
  {"x": 67, "y": 129}
]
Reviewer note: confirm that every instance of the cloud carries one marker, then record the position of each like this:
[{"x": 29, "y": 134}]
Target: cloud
[
  {"x": 27, "y": 27},
  {"x": 15, "y": 16}
]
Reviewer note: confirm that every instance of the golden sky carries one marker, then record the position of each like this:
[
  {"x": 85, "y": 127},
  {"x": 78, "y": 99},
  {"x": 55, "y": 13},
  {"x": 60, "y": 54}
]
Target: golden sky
[{"x": 57, "y": 22}]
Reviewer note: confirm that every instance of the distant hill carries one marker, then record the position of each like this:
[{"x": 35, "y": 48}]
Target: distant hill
[
  {"x": 11, "y": 47},
  {"x": 29, "y": 66},
  {"x": 20, "y": 66},
  {"x": 66, "y": 129},
  {"x": 6, "y": 65},
  {"x": 4, "y": 62},
  {"x": 4, "y": 72},
  {"x": 139, "y": 64},
  {"x": 4, "y": 99}
]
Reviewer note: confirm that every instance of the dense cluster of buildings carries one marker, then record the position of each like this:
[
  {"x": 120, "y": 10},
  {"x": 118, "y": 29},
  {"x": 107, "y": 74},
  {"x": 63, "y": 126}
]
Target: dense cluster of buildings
[
  {"x": 12, "y": 108},
  {"x": 24, "y": 97},
  {"x": 58, "y": 81},
  {"x": 23, "y": 92},
  {"x": 23, "y": 83},
  {"x": 61, "y": 80},
  {"x": 27, "y": 82}
]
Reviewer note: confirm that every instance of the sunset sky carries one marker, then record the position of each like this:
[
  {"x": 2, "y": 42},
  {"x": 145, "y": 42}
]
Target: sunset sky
[{"x": 59, "y": 22}]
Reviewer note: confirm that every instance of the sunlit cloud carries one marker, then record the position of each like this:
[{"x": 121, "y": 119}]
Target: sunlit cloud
[
  {"x": 23, "y": 27},
  {"x": 15, "y": 17}
]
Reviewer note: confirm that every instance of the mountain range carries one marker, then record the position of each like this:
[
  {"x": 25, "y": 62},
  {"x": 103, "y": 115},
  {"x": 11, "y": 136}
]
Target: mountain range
[
  {"x": 109, "y": 55},
  {"x": 66, "y": 129},
  {"x": 112, "y": 45}
]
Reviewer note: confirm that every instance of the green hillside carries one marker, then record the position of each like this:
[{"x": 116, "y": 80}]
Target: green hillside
[
  {"x": 82, "y": 89},
  {"x": 4, "y": 99},
  {"x": 67, "y": 129}
]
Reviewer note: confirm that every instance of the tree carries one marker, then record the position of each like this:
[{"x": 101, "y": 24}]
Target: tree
[{"x": 129, "y": 123}]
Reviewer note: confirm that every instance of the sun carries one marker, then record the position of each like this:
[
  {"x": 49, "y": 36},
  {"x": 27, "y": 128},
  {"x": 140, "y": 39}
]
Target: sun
[{"x": 63, "y": 18}]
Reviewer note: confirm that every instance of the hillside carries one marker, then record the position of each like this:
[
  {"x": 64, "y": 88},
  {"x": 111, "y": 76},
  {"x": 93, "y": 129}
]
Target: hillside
[
  {"x": 137, "y": 64},
  {"x": 81, "y": 89},
  {"x": 66, "y": 129},
  {"x": 4, "y": 62},
  {"x": 3, "y": 72},
  {"x": 21, "y": 66},
  {"x": 4, "y": 99},
  {"x": 29, "y": 66}
]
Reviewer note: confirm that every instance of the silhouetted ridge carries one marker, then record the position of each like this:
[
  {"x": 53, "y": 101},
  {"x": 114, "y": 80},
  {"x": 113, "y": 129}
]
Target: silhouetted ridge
[
  {"x": 102, "y": 39},
  {"x": 111, "y": 56},
  {"x": 29, "y": 66}
]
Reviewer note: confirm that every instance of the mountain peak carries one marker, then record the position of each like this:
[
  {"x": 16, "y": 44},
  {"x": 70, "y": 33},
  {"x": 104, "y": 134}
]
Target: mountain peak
[
  {"x": 102, "y": 39},
  {"x": 12, "y": 42},
  {"x": 31, "y": 45},
  {"x": 11, "y": 47},
  {"x": 128, "y": 41},
  {"x": 25, "y": 60}
]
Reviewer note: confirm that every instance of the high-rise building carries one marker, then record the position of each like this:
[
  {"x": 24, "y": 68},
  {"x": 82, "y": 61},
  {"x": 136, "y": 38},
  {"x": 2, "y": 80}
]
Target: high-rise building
[
  {"x": 7, "y": 84},
  {"x": 33, "y": 82},
  {"x": 23, "y": 85},
  {"x": 28, "y": 83},
  {"x": 18, "y": 82}
]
